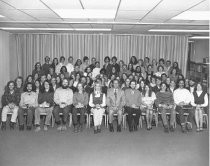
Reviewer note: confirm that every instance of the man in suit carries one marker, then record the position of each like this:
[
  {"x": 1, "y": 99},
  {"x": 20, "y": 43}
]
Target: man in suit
[{"x": 115, "y": 102}]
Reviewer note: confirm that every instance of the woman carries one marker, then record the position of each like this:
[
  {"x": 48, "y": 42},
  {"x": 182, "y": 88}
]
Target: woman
[
  {"x": 173, "y": 75},
  {"x": 160, "y": 71},
  {"x": 113, "y": 72},
  {"x": 176, "y": 66},
  {"x": 77, "y": 80},
  {"x": 38, "y": 69},
  {"x": 35, "y": 77},
  {"x": 10, "y": 102},
  {"x": 37, "y": 86},
  {"x": 54, "y": 63},
  {"x": 80, "y": 102},
  {"x": 19, "y": 84},
  {"x": 152, "y": 82},
  {"x": 133, "y": 61},
  {"x": 154, "y": 65},
  {"x": 148, "y": 98},
  {"x": 29, "y": 79},
  {"x": 45, "y": 101},
  {"x": 64, "y": 71},
  {"x": 200, "y": 103},
  {"x": 58, "y": 81},
  {"x": 130, "y": 68},
  {"x": 126, "y": 84},
  {"x": 141, "y": 86},
  {"x": 78, "y": 63},
  {"x": 97, "y": 102},
  {"x": 143, "y": 73},
  {"x": 165, "y": 104}
]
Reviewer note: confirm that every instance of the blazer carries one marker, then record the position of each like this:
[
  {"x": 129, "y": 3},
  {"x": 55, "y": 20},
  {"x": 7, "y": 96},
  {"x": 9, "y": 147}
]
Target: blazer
[{"x": 120, "y": 102}]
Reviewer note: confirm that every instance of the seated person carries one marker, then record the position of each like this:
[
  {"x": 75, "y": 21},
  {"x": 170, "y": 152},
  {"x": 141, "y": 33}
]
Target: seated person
[
  {"x": 165, "y": 104},
  {"x": 97, "y": 102},
  {"x": 80, "y": 101},
  {"x": 148, "y": 98},
  {"x": 133, "y": 101},
  {"x": 28, "y": 104},
  {"x": 10, "y": 102},
  {"x": 199, "y": 102},
  {"x": 182, "y": 99},
  {"x": 115, "y": 102},
  {"x": 45, "y": 101}
]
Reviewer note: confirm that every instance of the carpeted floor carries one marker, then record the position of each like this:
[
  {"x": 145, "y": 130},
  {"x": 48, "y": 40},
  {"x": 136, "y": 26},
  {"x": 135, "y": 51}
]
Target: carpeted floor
[{"x": 146, "y": 148}]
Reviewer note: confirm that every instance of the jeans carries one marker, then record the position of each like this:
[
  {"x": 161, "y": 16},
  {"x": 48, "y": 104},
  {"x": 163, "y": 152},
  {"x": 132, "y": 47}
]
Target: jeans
[
  {"x": 65, "y": 112},
  {"x": 82, "y": 115},
  {"x": 29, "y": 112},
  {"x": 181, "y": 111},
  {"x": 40, "y": 110},
  {"x": 133, "y": 115}
]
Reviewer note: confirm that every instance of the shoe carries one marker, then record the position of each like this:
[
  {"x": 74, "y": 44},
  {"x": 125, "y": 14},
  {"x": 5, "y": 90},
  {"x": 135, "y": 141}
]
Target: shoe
[
  {"x": 184, "y": 129},
  {"x": 64, "y": 128},
  {"x": 118, "y": 128},
  {"x": 166, "y": 129},
  {"x": 198, "y": 129},
  {"x": 131, "y": 128},
  {"x": 12, "y": 125},
  {"x": 111, "y": 128},
  {"x": 79, "y": 128},
  {"x": 135, "y": 128},
  {"x": 98, "y": 130},
  {"x": 45, "y": 128},
  {"x": 201, "y": 128},
  {"x": 59, "y": 128},
  {"x": 29, "y": 128},
  {"x": 171, "y": 129},
  {"x": 3, "y": 126},
  {"x": 21, "y": 127},
  {"x": 95, "y": 131},
  {"x": 75, "y": 129},
  {"x": 189, "y": 126},
  {"x": 37, "y": 129}
]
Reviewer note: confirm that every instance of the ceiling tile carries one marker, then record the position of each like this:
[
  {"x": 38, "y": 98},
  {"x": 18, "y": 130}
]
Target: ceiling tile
[
  {"x": 41, "y": 13},
  {"x": 100, "y": 4},
  {"x": 162, "y": 14},
  {"x": 204, "y": 6},
  {"x": 63, "y": 4},
  {"x": 5, "y": 6},
  {"x": 26, "y": 4},
  {"x": 138, "y": 4},
  {"x": 128, "y": 14}
]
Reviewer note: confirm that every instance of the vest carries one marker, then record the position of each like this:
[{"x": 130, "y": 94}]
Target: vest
[
  {"x": 97, "y": 100},
  {"x": 200, "y": 99}
]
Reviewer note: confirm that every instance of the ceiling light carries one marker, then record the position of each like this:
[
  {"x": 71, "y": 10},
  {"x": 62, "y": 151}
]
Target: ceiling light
[
  {"x": 200, "y": 37},
  {"x": 13, "y": 28},
  {"x": 178, "y": 30},
  {"x": 193, "y": 15},
  {"x": 93, "y": 29},
  {"x": 85, "y": 13}
]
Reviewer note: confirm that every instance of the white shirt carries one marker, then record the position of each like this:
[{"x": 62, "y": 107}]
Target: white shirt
[
  {"x": 149, "y": 100},
  {"x": 58, "y": 68},
  {"x": 70, "y": 67},
  {"x": 182, "y": 95},
  {"x": 63, "y": 96},
  {"x": 205, "y": 104},
  {"x": 95, "y": 72},
  {"x": 97, "y": 95}
]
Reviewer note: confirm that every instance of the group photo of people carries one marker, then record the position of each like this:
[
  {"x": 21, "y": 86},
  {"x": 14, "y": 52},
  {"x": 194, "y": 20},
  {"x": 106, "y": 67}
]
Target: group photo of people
[{"x": 69, "y": 89}]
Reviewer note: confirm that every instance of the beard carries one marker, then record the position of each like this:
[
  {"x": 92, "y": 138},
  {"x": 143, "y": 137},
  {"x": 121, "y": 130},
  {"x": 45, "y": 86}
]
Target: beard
[{"x": 64, "y": 86}]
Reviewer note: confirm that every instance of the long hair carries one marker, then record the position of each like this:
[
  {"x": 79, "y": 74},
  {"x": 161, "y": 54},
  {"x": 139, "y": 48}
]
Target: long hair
[
  {"x": 25, "y": 87},
  {"x": 51, "y": 90},
  {"x": 7, "y": 86},
  {"x": 144, "y": 90},
  {"x": 135, "y": 60}
]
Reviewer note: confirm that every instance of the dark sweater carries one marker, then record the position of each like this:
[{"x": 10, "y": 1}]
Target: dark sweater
[
  {"x": 46, "y": 96},
  {"x": 164, "y": 98},
  {"x": 8, "y": 98}
]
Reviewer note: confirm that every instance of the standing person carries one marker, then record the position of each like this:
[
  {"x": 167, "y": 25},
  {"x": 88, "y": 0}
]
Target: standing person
[
  {"x": 38, "y": 69},
  {"x": 133, "y": 101},
  {"x": 28, "y": 104},
  {"x": 19, "y": 84},
  {"x": 63, "y": 98},
  {"x": 115, "y": 102},
  {"x": 165, "y": 104},
  {"x": 80, "y": 102},
  {"x": 58, "y": 66},
  {"x": 107, "y": 66},
  {"x": 115, "y": 64},
  {"x": 92, "y": 65},
  {"x": 200, "y": 103},
  {"x": 85, "y": 63},
  {"x": 97, "y": 102},
  {"x": 182, "y": 99},
  {"x": 148, "y": 98},
  {"x": 70, "y": 66},
  {"x": 45, "y": 101},
  {"x": 96, "y": 70},
  {"x": 10, "y": 102},
  {"x": 46, "y": 65},
  {"x": 54, "y": 63}
]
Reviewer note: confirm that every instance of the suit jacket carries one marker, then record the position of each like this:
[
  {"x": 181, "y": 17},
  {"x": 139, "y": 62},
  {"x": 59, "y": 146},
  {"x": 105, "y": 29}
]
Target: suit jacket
[{"x": 120, "y": 100}]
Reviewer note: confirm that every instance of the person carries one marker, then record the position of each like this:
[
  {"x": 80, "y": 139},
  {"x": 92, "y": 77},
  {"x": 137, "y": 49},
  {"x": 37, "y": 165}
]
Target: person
[
  {"x": 45, "y": 101},
  {"x": 58, "y": 66},
  {"x": 85, "y": 63},
  {"x": 126, "y": 84},
  {"x": 175, "y": 65},
  {"x": 37, "y": 86},
  {"x": 10, "y": 102},
  {"x": 80, "y": 102},
  {"x": 92, "y": 65},
  {"x": 107, "y": 66},
  {"x": 70, "y": 66},
  {"x": 133, "y": 101},
  {"x": 63, "y": 98},
  {"x": 172, "y": 86},
  {"x": 160, "y": 71},
  {"x": 115, "y": 64},
  {"x": 64, "y": 72},
  {"x": 28, "y": 104},
  {"x": 165, "y": 104},
  {"x": 115, "y": 102},
  {"x": 182, "y": 99},
  {"x": 156, "y": 88},
  {"x": 173, "y": 75},
  {"x": 168, "y": 67},
  {"x": 46, "y": 65},
  {"x": 133, "y": 60},
  {"x": 54, "y": 63},
  {"x": 38, "y": 69},
  {"x": 200, "y": 103},
  {"x": 96, "y": 70},
  {"x": 191, "y": 85},
  {"x": 19, "y": 84},
  {"x": 148, "y": 98},
  {"x": 97, "y": 102}
]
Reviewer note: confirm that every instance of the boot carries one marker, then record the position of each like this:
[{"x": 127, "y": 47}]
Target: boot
[
  {"x": 12, "y": 125},
  {"x": 3, "y": 126}
]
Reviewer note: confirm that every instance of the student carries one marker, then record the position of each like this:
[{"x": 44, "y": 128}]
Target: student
[
  {"x": 92, "y": 65},
  {"x": 96, "y": 70},
  {"x": 46, "y": 65},
  {"x": 64, "y": 72},
  {"x": 38, "y": 69},
  {"x": 45, "y": 101},
  {"x": 70, "y": 66},
  {"x": 115, "y": 64},
  {"x": 133, "y": 101},
  {"x": 97, "y": 102},
  {"x": 200, "y": 103},
  {"x": 182, "y": 99},
  {"x": 58, "y": 66},
  {"x": 10, "y": 102},
  {"x": 115, "y": 102},
  {"x": 63, "y": 98},
  {"x": 85, "y": 63},
  {"x": 160, "y": 71},
  {"x": 148, "y": 98},
  {"x": 28, "y": 104},
  {"x": 19, "y": 84},
  {"x": 173, "y": 75},
  {"x": 107, "y": 66},
  {"x": 165, "y": 104},
  {"x": 54, "y": 63},
  {"x": 80, "y": 102}
]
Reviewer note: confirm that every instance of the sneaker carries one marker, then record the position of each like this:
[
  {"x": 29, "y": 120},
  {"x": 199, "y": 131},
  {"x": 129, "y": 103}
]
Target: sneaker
[
  {"x": 189, "y": 126},
  {"x": 64, "y": 128},
  {"x": 98, "y": 130},
  {"x": 198, "y": 129},
  {"x": 75, "y": 129},
  {"x": 201, "y": 128},
  {"x": 37, "y": 129},
  {"x": 45, "y": 128},
  {"x": 111, "y": 128},
  {"x": 171, "y": 129},
  {"x": 59, "y": 128}
]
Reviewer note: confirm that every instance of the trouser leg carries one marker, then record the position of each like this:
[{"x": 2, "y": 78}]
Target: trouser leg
[{"x": 56, "y": 115}]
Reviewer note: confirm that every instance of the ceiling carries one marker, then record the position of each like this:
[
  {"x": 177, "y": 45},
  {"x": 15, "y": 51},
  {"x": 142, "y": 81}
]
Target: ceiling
[{"x": 131, "y": 16}]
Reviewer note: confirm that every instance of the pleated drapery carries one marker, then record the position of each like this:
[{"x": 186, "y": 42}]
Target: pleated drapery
[{"x": 31, "y": 48}]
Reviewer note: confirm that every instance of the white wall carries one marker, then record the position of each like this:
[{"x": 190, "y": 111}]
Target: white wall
[{"x": 4, "y": 61}]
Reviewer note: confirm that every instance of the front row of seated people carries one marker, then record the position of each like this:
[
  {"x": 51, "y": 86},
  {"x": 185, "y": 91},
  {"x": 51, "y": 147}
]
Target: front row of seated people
[{"x": 117, "y": 102}]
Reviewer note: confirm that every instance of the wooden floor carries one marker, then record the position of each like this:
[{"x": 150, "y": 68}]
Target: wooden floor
[{"x": 145, "y": 148}]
